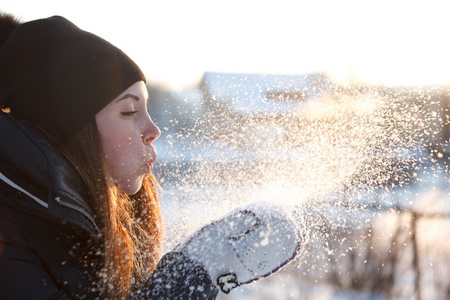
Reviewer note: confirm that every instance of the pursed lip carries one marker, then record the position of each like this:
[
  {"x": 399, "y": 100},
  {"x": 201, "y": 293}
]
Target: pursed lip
[
  {"x": 149, "y": 167},
  {"x": 150, "y": 163}
]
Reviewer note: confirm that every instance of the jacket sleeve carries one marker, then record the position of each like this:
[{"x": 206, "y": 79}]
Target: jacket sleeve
[
  {"x": 22, "y": 275},
  {"x": 178, "y": 277}
]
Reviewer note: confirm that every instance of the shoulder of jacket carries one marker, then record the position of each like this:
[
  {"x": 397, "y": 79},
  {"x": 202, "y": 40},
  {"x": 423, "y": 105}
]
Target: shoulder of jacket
[{"x": 33, "y": 167}]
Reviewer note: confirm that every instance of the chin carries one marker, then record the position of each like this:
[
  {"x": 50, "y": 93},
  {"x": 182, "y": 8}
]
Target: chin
[
  {"x": 131, "y": 192},
  {"x": 134, "y": 188}
]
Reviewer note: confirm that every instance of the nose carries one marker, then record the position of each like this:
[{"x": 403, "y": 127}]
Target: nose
[{"x": 151, "y": 132}]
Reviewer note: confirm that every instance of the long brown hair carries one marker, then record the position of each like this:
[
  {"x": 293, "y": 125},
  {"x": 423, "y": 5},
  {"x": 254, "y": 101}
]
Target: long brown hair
[{"x": 131, "y": 226}]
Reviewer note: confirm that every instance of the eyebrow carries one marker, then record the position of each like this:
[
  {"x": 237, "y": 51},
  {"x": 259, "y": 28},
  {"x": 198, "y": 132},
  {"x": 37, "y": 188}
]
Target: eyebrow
[{"x": 134, "y": 97}]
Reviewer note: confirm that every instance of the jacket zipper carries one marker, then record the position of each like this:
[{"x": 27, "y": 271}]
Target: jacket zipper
[
  {"x": 58, "y": 199},
  {"x": 13, "y": 185}
]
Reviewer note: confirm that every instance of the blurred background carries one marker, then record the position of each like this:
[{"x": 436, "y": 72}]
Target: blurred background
[
  {"x": 336, "y": 108},
  {"x": 175, "y": 42}
]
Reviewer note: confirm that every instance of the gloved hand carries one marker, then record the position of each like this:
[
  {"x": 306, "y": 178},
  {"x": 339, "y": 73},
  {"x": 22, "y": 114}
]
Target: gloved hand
[{"x": 246, "y": 245}]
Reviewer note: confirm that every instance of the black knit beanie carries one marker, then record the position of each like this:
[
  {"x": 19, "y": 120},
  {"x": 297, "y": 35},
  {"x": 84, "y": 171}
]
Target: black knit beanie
[{"x": 58, "y": 76}]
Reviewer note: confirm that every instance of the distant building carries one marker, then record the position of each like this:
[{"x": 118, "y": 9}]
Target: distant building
[{"x": 233, "y": 99}]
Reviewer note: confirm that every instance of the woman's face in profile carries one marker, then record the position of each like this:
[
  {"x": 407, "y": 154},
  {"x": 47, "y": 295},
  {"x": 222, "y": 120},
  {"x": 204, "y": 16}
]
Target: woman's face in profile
[{"x": 127, "y": 133}]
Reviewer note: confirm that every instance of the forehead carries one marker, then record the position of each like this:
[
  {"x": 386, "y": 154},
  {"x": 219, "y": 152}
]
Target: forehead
[{"x": 136, "y": 92}]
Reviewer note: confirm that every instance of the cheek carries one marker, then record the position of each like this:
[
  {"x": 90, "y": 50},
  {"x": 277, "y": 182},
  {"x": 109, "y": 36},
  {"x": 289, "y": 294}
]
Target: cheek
[
  {"x": 122, "y": 153},
  {"x": 116, "y": 147},
  {"x": 120, "y": 146}
]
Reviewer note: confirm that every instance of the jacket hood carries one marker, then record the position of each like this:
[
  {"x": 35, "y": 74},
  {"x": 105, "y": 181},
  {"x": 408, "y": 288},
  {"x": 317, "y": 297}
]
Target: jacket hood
[{"x": 30, "y": 164}]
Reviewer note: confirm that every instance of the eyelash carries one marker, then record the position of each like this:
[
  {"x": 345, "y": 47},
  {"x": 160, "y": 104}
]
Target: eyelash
[{"x": 129, "y": 113}]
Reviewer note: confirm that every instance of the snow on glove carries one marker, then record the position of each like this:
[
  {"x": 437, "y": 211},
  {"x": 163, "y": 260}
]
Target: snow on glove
[{"x": 246, "y": 245}]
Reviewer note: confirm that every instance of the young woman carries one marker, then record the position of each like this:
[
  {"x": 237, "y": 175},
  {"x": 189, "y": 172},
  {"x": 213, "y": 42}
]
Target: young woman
[{"x": 79, "y": 210}]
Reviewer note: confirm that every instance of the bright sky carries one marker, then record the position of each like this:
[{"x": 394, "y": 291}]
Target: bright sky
[{"x": 175, "y": 41}]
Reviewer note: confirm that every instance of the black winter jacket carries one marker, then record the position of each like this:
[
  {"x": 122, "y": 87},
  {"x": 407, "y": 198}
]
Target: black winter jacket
[{"x": 49, "y": 245}]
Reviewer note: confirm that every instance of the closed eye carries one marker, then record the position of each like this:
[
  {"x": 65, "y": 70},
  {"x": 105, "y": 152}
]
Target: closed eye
[{"x": 128, "y": 113}]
